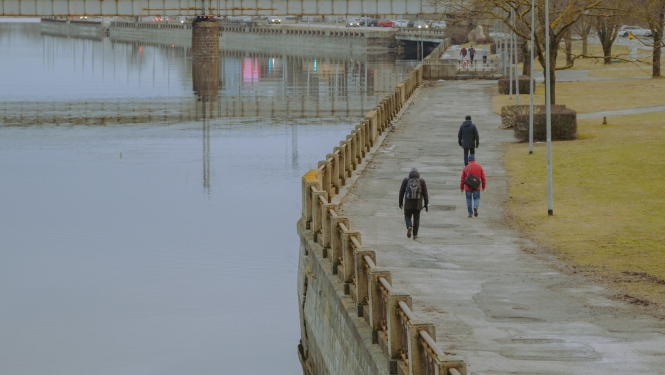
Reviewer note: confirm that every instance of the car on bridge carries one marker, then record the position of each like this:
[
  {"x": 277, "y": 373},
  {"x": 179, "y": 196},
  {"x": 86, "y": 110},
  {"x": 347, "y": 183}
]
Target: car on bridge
[
  {"x": 385, "y": 23},
  {"x": 372, "y": 22},
  {"x": 274, "y": 20},
  {"x": 438, "y": 25},
  {"x": 401, "y": 23},
  {"x": 421, "y": 25},
  {"x": 352, "y": 22},
  {"x": 625, "y": 31}
]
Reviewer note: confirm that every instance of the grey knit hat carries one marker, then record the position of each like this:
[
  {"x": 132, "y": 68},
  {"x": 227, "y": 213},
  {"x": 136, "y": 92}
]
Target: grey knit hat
[{"x": 414, "y": 169}]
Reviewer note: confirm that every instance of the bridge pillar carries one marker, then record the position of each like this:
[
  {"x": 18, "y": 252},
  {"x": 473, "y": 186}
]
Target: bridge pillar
[{"x": 205, "y": 59}]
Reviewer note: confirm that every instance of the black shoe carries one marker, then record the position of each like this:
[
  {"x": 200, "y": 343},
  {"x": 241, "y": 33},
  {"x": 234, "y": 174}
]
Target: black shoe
[
  {"x": 415, "y": 237},
  {"x": 475, "y": 212},
  {"x": 408, "y": 232}
]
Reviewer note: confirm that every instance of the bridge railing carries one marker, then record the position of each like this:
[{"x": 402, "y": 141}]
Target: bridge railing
[{"x": 407, "y": 341}]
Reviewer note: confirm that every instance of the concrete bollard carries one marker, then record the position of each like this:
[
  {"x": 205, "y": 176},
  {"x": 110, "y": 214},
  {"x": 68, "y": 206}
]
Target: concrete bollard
[
  {"x": 317, "y": 208},
  {"x": 334, "y": 172},
  {"x": 348, "y": 256},
  {"x": 326, "y": 228},
  {"x": 394, "y": 323},
  {"x": 336, "y": 240},
  {"x": 361, "y": 276},
  {"x": 416, "y": 355},
  {"x": 309, "y": 180},
  {"x": 376, "y": 296},
  {"x": 326, "y": 183},
  {"x": 402, "y": 93},
  {"x": 341, "y": 169}
]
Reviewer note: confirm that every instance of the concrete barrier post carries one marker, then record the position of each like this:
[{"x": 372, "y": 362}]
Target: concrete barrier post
[
  {"x": 367, "y": 130},
  {"x": 317, "y": 208},
  {"x": 351, "y": 144},
  {"x": 446, "y": 362},
  {"x": 394, "y": 323},
  {"x": 348, "y": 256},
  {"x": 327, "y": 178},
  {"x": 373, "y": 129},
  {"x": 309, "y": 180},
  {"x": 341, "y": 150},
  {"x": 334, "y": 172},
  {"x": 361, "y": 275},
  {"x": 402, "y": 93},
  {"x": 416, "y": 355},
  {"x": 360, "y": 131},
  {"x": 336, "y": 240},
  {"x": 375, "y": 295},
  {"x": 326, "y": 230}
]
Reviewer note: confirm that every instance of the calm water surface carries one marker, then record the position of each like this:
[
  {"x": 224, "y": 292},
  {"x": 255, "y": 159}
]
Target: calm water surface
[{"x": 166, "y": 246}]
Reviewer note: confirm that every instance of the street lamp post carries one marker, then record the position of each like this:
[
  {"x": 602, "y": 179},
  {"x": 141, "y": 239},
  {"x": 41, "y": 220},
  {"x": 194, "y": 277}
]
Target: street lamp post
[
  {"x": 510, "y": 58},
  {"x": 548, "y": 110},
  {"x": 533, "y": 27},
  {"x": 517, "y": 76}
]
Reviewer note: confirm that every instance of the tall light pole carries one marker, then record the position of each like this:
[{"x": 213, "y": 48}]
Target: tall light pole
[
  {"x": 533, "y": 28},
  {"x": 548, "y": 110},
  {"x": 517, "y": 79},
  {"x": 510, "y": 58}
]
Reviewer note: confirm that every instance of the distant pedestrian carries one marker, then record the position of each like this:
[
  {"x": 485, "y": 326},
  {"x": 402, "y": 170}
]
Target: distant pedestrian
[
  {"x": 484, "y": 53},
  {"x": 468, "y": 138},
  {"x": 463, "y": 52},
  {"x": 412, "y": 193},
  {"x": 472, "y": 53},
  {"x": 473, "y": 185}
]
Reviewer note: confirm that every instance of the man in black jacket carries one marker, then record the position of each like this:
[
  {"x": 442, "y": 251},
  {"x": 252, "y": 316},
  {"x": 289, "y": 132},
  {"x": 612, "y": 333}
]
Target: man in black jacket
[
  {"x": 412, "y": 193},
  {"x": 468, "y": 138}
]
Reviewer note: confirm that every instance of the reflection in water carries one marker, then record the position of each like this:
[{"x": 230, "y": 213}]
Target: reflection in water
[{"x": 123, "y": 261}]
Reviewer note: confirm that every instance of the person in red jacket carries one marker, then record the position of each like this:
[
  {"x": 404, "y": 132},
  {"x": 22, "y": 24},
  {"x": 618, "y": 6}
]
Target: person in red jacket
[{"x": 477, "y": 170}]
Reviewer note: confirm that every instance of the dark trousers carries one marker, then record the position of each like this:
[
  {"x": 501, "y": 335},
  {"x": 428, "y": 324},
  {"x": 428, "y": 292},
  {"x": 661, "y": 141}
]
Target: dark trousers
[
  {"x": 471, "y": 58},
  {"x": 416, "y": 220},
  {"x": 468, "y": 151},
  {"x": 484, "y": 59}
]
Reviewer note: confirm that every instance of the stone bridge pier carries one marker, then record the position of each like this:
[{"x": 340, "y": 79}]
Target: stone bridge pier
[{"x": 205, "y": 61}]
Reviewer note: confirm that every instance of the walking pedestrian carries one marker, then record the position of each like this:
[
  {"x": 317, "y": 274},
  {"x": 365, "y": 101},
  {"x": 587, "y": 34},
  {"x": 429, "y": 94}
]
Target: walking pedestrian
[
  {"x": 468, "y": 138},
  {"x": 472, "y": 53},
  {"x": 472, "y": 183},
  {"x": 463, "y": 52},
  {"x": 412, "y": 193},
  {"x": 484, "y": 53}
]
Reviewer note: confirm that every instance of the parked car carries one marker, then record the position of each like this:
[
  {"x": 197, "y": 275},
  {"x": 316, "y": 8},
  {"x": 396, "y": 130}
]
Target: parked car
[
  {"x": 624, "y": 31},
  {"x": 385, "y": 23},
  {"x": 401, "y": 23},
  {"x": 364, "y": 20},
  {"x": 352, "y": 22},
  {"x": 438, "y": 25},
  {"x": 420, "y": 25},
  {"x": 274, "y": 20},
  {"x": 373, "y": 22}
]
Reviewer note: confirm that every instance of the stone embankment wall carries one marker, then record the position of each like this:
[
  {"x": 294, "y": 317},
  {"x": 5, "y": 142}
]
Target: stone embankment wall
[
  {"x": 77, "y": 29},
  {"x": 179, "y": 35},
  {"x": 353, "y": 320}
]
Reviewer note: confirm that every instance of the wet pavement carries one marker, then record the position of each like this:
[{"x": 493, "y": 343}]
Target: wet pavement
[{"x": 503, "y": 309}]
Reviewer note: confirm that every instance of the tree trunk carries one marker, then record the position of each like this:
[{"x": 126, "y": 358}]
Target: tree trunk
[
  {"x": 585, "y": 45},
  {"x": 607, "y": 52},
  {"x": 526, "y": 59},
  {"x": 569, "y": 49},
  {"x": 553, "y": 56},
  {"x": 657, "y": 46}
]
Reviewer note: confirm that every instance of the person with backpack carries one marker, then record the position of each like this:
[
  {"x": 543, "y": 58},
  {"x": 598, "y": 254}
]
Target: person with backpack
[
  {"x": 484, "y": 53},
  {"x": 463, "y": 52},
  {"x": 472, "y": 53},
  {"x": 472, "y": 183},
  {"x": 411, "y": 196},
  {"x": 468, "y": 138}
]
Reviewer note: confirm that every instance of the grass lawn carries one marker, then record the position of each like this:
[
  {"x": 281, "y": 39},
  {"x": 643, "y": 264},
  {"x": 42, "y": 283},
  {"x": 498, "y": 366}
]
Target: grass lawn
[
  {"x": 609, "y": 209},
  {"x": 589, "y": 97}
]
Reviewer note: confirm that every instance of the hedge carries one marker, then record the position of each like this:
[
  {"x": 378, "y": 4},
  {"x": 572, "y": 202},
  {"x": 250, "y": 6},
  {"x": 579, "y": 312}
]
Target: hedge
[
  {"x": 564, "y": 126},
  {"x": 508, "y": 112},
  {"x": 504, "y": 85}
]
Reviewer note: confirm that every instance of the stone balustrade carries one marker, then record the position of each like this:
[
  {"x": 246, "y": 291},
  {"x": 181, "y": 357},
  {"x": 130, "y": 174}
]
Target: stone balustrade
[{"x": 407, "y": 342}]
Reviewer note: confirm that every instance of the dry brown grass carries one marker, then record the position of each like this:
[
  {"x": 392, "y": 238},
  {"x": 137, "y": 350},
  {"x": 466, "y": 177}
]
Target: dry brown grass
[
  {"x": 589, "y": 97},
  {"x": 609, "y": 209}
]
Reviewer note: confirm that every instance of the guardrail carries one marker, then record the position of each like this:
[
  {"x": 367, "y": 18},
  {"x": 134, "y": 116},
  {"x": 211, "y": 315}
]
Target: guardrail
[
  {"x": 152, "y": 25},
  {"x": 407, "y": 341}
]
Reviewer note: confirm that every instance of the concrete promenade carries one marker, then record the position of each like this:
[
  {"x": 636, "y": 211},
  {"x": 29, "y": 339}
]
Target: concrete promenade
[{"x": 493, "y": 302}]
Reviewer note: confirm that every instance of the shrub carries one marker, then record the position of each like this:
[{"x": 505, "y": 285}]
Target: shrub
[
  {"x": 564, "y": 126},
  {"x": 509, "y": 112},
  {"x": 504, "y": 85}
]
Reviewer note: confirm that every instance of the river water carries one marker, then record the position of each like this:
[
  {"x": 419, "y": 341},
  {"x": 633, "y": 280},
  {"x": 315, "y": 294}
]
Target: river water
[{"x": 138, "y": 236}]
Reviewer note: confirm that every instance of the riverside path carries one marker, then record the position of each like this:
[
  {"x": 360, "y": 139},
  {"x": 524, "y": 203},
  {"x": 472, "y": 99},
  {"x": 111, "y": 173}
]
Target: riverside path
[{"x": 503, "y": 309}]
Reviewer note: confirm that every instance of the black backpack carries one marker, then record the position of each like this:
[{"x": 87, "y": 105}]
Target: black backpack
[
  {"x": 473, "y": 182},
  {"x": 413, "y": 189}
]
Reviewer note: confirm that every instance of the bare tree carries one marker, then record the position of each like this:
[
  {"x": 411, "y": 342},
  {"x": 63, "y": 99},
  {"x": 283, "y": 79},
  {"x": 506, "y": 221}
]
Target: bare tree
[
  {"x": 652, "y": 13},
  {"x": 583, "y": 28},
  {"x": 563, "y": 15},
  {"x": 607, "y": 24}
]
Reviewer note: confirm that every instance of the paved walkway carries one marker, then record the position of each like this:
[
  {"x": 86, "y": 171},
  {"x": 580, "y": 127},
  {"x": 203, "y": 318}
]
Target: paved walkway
[
  {"x": 622, "y": 112},
  {"x": 503, "y": 309}
]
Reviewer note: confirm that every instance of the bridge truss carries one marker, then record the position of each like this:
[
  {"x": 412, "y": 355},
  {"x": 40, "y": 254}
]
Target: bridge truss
[{"x": 109, "y": 8}]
